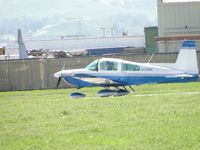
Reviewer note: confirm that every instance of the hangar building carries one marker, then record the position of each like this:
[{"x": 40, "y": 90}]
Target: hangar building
[
  {"x": 177, "y": 21},
  {"x": 68, "y": 44}
]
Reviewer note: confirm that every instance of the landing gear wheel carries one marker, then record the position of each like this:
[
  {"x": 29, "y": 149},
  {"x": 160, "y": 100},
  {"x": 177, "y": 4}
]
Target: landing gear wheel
[
  {"x": 105, "y": 93},
  {"x": 77, "y": 95},
  {"x": 121, "y": 92}
]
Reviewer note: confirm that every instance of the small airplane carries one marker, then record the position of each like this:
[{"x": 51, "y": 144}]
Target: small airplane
[{"x": 118, "y": 73}]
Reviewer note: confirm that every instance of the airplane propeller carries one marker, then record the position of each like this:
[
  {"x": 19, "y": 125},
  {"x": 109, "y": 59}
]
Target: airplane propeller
[
  {"x": 58, "y": 82},
  {"x": 59, "y": 75}
]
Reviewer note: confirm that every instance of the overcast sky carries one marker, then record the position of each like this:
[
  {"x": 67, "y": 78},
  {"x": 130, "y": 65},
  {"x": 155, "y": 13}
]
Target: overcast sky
[
  {"x": 52, "y": 18},
  {"x": 71, "y": 8}
]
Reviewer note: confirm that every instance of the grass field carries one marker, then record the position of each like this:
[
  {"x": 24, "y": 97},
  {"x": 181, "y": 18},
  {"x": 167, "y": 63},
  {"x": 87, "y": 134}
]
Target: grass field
[{"x": 162, "y": 116}]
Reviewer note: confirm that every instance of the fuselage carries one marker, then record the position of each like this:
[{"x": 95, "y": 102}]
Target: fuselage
[{"x": 118, "y": 72}]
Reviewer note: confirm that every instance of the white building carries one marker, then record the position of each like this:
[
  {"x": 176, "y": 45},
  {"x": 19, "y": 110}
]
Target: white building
[
  {"x": 177, "y": 21},
  {"x": 79, "y": 44},
  {"x": 68, "y": 44}
]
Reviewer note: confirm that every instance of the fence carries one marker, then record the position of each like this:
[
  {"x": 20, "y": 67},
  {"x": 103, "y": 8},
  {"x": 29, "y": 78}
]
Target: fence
[{"x": 38, "y": 73}]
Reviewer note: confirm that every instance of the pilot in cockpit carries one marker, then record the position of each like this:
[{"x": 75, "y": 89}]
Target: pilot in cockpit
[{"x": 110, "y": 66}]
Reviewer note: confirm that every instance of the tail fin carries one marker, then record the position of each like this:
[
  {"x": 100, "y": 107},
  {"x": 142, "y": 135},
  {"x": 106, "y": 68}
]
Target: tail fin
[
  {"x": 22, "y": 48},
  {"x": 187, "y": 58}
]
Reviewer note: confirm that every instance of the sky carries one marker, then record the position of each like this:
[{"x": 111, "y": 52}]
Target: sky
[{"x": 46, "y": 19}]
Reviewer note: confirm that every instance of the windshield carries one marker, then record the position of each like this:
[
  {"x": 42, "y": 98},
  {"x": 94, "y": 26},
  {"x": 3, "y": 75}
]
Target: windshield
[{"x": 92, "y": 66}]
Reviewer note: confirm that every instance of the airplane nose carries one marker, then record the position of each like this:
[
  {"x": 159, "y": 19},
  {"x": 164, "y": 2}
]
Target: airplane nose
[
  {"x": 58, "y": 74},
  {"x": 63, "y": 73}
]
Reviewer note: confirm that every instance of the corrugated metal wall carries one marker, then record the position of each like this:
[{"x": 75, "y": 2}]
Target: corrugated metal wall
[
  {"x": 176, "y": 19},
  {"x": 180, "y": 18},
  {"x": 38, "y": 74}
]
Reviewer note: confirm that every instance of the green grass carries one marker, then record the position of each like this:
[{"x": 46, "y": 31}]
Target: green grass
[{"x": 51, "y": 120}]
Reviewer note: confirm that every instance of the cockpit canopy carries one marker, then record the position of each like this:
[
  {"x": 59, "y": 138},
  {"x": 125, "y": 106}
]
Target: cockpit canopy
[
  {"x": 93, "y": 65},
  {"x": 109, "y": 64},
  {"x": 130, "y": 67}
]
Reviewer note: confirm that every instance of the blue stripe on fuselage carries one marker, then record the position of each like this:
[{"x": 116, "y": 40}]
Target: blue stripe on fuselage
[
  {"x": 131, "y": 80},
  {"x": 137, "y": 80}
]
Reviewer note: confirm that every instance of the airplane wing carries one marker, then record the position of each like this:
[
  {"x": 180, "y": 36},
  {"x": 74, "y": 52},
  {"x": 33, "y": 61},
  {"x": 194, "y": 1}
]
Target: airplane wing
[{"x": 102, "y": 81}]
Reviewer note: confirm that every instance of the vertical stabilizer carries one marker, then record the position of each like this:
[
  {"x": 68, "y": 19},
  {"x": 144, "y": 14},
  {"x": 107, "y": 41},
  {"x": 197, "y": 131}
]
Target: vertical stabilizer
[
  {"x": 22, "y": 48},
  {"x": 187, "y": 58}
]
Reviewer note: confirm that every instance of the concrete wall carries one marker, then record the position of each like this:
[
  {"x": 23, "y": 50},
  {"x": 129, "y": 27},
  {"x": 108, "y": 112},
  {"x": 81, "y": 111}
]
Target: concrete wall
[{"x": 38, "y": 74}]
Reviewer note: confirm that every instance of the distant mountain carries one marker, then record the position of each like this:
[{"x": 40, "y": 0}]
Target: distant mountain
[{"x": 45, "y": 19}]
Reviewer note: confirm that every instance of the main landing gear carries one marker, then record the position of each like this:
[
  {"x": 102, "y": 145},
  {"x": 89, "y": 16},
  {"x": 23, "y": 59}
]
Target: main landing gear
[
  {"x": 116, "y": 92},
  {"x": 105, "y": 92}
]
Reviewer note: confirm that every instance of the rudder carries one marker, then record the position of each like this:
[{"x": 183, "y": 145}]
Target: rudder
[{"x": 187, "y": 58}]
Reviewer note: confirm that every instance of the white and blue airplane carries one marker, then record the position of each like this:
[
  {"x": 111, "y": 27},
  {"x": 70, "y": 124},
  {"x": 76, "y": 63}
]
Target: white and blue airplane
[{"x": 118, "y": 73}]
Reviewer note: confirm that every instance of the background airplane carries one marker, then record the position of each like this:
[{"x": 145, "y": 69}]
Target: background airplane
[{"x": 111, "y": 72}]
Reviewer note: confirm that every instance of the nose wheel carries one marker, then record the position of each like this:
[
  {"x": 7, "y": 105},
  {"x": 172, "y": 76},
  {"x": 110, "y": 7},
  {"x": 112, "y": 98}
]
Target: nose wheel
[{"x": 77, "y": 95}]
